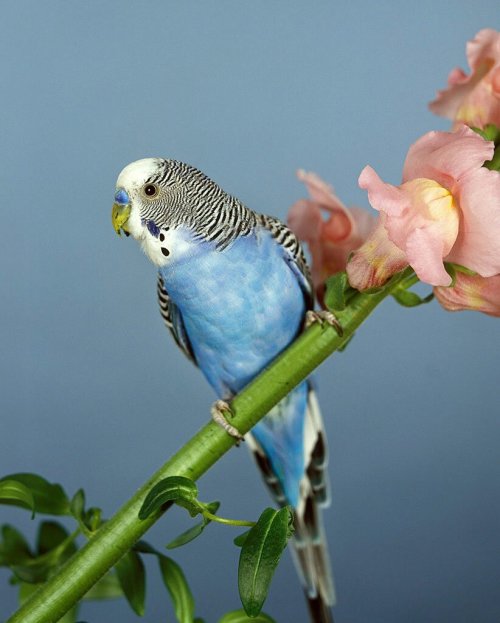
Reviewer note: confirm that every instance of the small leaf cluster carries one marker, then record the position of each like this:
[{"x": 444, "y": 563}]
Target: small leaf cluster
[
  {"x": 32, "y": 566},
  {"x": 261, "y": 547},
  {"x": 338, "y": 292}
]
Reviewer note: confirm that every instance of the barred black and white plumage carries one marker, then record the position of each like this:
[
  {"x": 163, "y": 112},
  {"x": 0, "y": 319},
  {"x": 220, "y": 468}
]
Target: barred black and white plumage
[
  {"x": 173, "y": 320},
  {"x": 198, "y": 203}
]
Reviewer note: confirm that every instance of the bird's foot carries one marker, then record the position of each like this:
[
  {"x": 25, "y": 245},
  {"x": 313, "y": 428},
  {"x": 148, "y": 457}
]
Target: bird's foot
[
  {"x": 323, "y": 317},
  {"x": 217, "y": 413}
]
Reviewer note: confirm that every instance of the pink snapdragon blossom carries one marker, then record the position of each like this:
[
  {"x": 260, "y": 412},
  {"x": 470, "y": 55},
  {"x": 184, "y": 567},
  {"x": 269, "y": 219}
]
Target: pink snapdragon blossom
[
  {"x": 446, "y": 209},
  {"x": 329, "y": 240},
  {"x": 475, "y": 98},
  {"x": 471, "y": 292}
]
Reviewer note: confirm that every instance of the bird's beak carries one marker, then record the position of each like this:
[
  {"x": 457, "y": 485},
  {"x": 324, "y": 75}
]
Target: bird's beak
[{"x": 120, "y": 212}]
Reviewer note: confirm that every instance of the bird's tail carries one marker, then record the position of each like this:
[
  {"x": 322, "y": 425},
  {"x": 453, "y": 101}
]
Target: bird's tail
[{"x": 309, "y": 545}]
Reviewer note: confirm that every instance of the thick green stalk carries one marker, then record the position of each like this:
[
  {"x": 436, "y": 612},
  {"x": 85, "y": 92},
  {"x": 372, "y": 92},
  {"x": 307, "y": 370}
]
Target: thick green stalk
[{"x": 119, "y": 534}]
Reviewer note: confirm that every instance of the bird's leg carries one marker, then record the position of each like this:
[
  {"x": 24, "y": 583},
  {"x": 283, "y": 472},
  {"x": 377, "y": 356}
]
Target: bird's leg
[
  {"x": 323, "y": 317},
  {"x": 217, "y": 413}
]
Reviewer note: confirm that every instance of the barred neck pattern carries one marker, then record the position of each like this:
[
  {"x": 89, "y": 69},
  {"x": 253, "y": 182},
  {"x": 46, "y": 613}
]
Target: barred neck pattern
[{"x": 197, "y": 202}]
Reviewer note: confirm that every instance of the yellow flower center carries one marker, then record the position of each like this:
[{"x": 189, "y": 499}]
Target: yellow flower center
[{"x": 431, "y": 202}]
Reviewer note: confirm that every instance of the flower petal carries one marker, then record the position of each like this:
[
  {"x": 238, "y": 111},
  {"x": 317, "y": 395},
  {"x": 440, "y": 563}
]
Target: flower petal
[
  {"x": 449, "y": 100},
  {"x": 332, "y": 240},
  {"x": 424, "y": 251},
  {"x": 305, "y": 220},
  {"x": 338, "y": 227},
  {"x": 430, "y": 206},
  {"x": 447, "y": 156},
  {"x": 320, "y": 191},
  {"x": 478, "y": 242},
  {"x": 386, "y": 197},
  {"x": 364, "y": 222},
  {"x": 376, "y": 260},
  {"x": 485, "y": 45},
  {"x": 495, "y": 81},
  {"x": 472, "y": 292},
  {"x": 471, "y": 98}
]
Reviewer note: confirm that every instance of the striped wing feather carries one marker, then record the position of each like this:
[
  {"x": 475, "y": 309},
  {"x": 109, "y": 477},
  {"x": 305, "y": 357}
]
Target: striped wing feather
[{"x": 173, "y": 320}]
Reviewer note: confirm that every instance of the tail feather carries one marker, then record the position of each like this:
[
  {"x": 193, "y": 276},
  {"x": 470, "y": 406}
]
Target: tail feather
[
  {"x": 319, "y": 611},
  {"x": 309, "y": 546}
]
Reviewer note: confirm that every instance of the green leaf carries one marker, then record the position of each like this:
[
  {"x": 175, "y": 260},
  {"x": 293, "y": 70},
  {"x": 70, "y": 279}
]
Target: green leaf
[
  {"x": 239, "y": 616},
  {"x": 34, "y": 571},
  {"x": 175, "y": 581},
  {"x": 195, "y": 531},
  {"x": 490, "y": 132},
  {"x": 108, "y": 587},
  {"x": 144, "y": 547},
  {"x": 336, "y": 288},
  {"x": 187, "y": 536},
  {"x": 15, "y": 493},
  {"x": 132, "y": 578},
  {"x": 92, "y": 518},
  {"x": 241, "y": 538},
  {"x": 50, "y": 535},
  {"x": 406, "y": 298},
  {"x": 88, "y": 519},
  {"x": 49, "y": 498},
  {"x": 260, "y": 555},
  {"x": 77, "y": 505},
  {"x": 179, "y": 590},
  {"x": 172, "y": 489},
  {"x": 54, "y": 547},
  {"x": 494, "y": 163},
  {"x": 14, "y": 548}
]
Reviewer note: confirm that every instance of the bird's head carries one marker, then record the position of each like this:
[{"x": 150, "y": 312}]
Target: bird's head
[{"x": 153, "y": 197}]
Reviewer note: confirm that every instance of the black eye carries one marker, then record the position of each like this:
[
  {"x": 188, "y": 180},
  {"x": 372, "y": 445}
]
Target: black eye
[{"x": 150, "y": 190}]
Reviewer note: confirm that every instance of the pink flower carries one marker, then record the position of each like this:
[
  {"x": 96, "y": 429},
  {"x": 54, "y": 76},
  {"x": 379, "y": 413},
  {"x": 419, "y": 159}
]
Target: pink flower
[
  {"x": 330, "y": 241},
  {"x": 474, "y": 99},
  {"x": 446, "y": 209},
  {"x": 472, "y": 292}
]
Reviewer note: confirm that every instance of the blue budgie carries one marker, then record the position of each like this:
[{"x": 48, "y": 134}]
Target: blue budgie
[{"x": 234, "y": 289}]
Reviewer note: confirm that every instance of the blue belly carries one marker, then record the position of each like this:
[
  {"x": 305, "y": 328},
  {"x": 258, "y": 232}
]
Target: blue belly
[{"x": 241, "y": 307}]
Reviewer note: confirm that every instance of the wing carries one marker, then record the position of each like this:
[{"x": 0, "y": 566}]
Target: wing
[
  {"x": 293, "y": 253},
  {"x": 173, "y": 321}
]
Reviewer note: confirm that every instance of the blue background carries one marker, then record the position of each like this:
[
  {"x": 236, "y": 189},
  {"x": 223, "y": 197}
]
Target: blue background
[{"x": 94, "y": 392}]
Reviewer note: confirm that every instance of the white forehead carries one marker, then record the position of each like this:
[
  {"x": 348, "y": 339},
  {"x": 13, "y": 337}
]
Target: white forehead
[{"x": 136, "y": 173}]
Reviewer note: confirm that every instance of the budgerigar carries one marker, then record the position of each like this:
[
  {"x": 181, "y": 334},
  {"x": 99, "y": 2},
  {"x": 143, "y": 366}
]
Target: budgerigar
[{"x": 234, "y": 289}]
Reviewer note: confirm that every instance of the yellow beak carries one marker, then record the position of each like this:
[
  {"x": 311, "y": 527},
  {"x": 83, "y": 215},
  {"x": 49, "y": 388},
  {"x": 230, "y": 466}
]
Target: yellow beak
[{"x": 119, "y": 217}]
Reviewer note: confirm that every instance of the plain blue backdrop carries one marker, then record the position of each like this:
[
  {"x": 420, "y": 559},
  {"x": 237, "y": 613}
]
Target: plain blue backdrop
[{"x": 94, "y": 393}]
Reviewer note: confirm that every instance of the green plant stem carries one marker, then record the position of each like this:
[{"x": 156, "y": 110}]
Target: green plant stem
[
  {"x": 116, "y": 536},
  {"x": 228, "y": 522}
]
